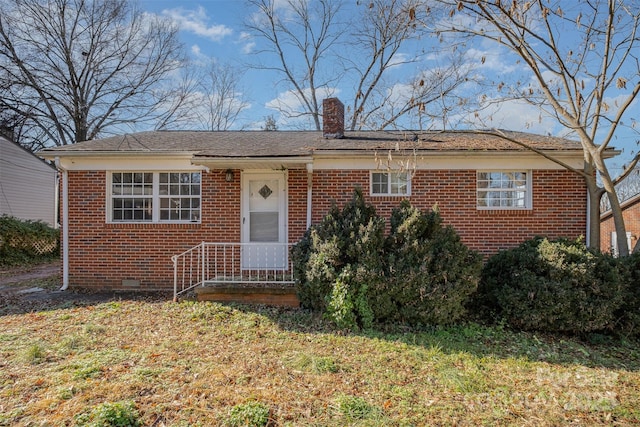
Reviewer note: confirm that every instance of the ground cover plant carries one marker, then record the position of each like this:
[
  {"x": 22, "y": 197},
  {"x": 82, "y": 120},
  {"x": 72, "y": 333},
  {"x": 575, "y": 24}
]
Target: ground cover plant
[{"x": 153, "y": 362}]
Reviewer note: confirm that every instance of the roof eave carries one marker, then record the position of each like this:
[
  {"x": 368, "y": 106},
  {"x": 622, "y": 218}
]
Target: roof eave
[
  {"x": 448, "y": 153},
  {"x": 265, "y": 162},
  {"x": 52, "y": 155}
]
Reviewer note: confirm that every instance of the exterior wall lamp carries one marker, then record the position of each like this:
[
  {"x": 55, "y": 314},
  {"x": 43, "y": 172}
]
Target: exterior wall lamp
[{"x": 228, "y": 175}]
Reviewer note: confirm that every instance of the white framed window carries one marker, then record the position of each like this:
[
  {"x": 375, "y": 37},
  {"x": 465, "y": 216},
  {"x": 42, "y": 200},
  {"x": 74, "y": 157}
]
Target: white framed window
[
  {"x": 179, "y": 196},
  {"x": 390, "y": 183},
  {"x": 503, "y": 190},
  {"x": 154, "y": 197}
]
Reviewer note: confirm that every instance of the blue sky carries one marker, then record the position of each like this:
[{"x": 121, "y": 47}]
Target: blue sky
[{"x": 214, "y": 30}]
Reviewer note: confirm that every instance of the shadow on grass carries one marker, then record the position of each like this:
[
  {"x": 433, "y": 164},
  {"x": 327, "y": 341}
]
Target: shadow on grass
[
  {"x": 595, "y": 350},
  {"x": 497, "y": 341},
  {"x": 34, "y": 296}
]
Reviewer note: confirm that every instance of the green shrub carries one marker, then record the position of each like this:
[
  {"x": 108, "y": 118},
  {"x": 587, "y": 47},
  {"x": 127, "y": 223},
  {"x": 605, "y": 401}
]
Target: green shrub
[
  {"x": 118, "y": 414},
  {"x": 553, "y": 286},
  {"x": 431, "y": 273},
  {"x": 629, "y": 314},
  {"x": 421, "y": 274},
  {"x": 251, "y": 414},
  {"x": 26, "y": 242},
  {"x": 339, "y": 260}
]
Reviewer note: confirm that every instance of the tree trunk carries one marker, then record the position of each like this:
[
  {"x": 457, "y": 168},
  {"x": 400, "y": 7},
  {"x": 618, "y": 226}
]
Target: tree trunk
[
  {"x": 593, "y": 206},
  {"x": 616, "y": 209},
  {"x": 618, "y": 220}
]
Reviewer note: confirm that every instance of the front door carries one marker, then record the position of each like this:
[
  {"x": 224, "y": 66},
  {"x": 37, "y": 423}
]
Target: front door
[{"x": 264, "y": 221}]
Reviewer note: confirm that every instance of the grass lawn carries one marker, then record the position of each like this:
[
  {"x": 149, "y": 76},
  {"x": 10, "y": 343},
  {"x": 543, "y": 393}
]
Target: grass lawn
[{"x": 190, "y": 364}]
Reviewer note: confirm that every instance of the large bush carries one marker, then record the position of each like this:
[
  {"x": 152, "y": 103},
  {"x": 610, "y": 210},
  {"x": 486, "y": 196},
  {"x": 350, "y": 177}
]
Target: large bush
[
  {"x": 420, "y": 274},
  {"x": 553, "y": 286},
  {"x": 629, "y": 314},
  {"x": 431, "y": 274},
  {"x": 26, "y": 242},
  {"x": 339, "y": 260}
]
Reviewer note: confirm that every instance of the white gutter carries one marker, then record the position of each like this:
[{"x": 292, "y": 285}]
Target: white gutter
[
  {"x": 588, "y": 233},
  {"x": 65, "y": 225},
  {"x": 309, "y": 192},
  {"x": 56, "y": 201}
]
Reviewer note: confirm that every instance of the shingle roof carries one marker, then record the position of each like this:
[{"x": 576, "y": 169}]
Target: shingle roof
[{"x": 231, "y": 144}]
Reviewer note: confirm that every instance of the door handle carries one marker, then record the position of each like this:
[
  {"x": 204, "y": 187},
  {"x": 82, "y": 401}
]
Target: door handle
[{"x": 243, "y": 218}]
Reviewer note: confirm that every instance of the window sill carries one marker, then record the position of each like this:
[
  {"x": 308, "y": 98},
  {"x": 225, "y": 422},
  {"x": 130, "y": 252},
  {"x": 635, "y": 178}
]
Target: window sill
[
  {"x": 153, "y": 224},
  {"x": 505, "y": 212}
]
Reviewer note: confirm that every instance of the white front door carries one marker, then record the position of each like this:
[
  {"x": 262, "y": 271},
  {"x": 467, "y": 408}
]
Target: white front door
[{"x": 264, "y": 220}]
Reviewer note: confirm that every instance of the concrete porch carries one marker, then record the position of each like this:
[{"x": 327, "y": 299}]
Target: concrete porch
[
  {"x": 273, "y": 295},
  {"x": 236, "y": 272}
]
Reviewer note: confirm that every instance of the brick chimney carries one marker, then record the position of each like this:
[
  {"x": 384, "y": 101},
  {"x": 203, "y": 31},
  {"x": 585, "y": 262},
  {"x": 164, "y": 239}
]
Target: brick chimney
[{"x": 332, "y": 118}]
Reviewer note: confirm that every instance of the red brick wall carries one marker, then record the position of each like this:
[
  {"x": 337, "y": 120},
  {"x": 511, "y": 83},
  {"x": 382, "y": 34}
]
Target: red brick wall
[
  {"x": 102, "y": 255},
  {"x": 559, "y": 205},
  {"x": 297, "y": 196},
  {"x": 631, "y": 216}
]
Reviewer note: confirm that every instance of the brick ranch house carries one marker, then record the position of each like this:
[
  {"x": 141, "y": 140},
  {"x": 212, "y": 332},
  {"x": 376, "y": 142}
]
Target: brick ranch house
[
  {"x": 631, "y": 215},
  {"x": 226, "y": 205}
]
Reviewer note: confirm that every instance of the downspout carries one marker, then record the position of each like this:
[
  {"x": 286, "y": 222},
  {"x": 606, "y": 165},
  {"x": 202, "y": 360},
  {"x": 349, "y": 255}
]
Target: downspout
[
  {"x": 309, "y": 192},
  {"x": 65, "y": 225},
  {"x": 588, "y": 233},
  {"x": 56, "y": 201}
]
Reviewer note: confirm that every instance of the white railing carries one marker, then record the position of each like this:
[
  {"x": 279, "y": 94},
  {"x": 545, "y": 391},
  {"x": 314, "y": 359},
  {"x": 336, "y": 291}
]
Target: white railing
[{"x": 231, "y": 263}]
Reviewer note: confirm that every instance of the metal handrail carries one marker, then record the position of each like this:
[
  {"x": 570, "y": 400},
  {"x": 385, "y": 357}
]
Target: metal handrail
[{"x": 231, "y": 263}]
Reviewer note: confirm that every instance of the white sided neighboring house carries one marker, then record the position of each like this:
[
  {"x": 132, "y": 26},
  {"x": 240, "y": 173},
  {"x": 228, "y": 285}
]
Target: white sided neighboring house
[{"x": 27, "y": 184}]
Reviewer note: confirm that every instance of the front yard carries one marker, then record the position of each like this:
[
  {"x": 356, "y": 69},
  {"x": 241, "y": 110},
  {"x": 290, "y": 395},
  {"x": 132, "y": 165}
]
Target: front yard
[{"x": 190, "y": 364}]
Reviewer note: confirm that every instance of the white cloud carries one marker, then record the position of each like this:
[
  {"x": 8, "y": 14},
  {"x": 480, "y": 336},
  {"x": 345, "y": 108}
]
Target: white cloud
[
  {"x": 246, "y": 40},
  {"x": 289, "y": 105},
  {"x": 399, "y": 59},
  {"x": 247, "y": 48},
  {"x": 491, "y": 60},
  {"x": 196, "y": 21},
  {"x": 517, "y": 115},
  {"x": 247, "y": 43}
]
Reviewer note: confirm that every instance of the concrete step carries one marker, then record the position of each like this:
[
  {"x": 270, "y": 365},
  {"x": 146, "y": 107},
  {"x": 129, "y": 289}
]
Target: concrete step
[{"x": 267, "y": 295}]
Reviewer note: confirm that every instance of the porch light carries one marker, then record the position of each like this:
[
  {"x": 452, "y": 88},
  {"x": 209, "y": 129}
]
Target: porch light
[{"x": 228, "y": 175}]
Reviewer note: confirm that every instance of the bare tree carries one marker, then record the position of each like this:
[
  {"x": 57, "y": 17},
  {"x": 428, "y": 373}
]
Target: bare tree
[
  {"x": 270, "y": 124},
  {"x": 223, "y": 99},
  {"x": 362, "y": 52},
  {"x": 208, "y": 96},
  {"x": 431, "y": 96},
  {"x": 298, "y": 32},
  {"x": 179, "y": 111},
  {"x": 583, "y": 61},
  {"x": 384, "y": 28},
  {"x": 77, "y": 68}
]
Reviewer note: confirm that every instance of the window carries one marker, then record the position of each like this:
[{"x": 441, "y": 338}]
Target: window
[
  {"x": 132, "y": 195},
  {"x": 179, "y": 196},
  {"x": 390, "y": 183},
  {"x": 155, "y": 197},
  {"x": 504, "y": 190}
]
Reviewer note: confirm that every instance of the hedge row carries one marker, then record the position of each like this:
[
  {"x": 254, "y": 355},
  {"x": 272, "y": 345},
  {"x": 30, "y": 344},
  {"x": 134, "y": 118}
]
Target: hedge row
[
  {"x": 422, "y": 274},
  {"x": 26, "y": 242}
]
